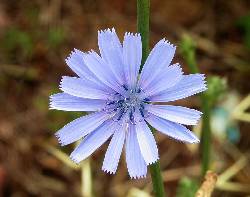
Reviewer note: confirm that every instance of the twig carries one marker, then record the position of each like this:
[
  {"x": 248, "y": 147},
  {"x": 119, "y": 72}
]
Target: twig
[
  {"x": 234, "y": 187},
  {"x": 60, "y": 156},
  {"x": 239, "y": 111},
  {"x": 177, "y": 173},
  {"x": 86, "y": 182},
  {"x": 231, "y": 171},
  {"x": 208, "y": 185}
]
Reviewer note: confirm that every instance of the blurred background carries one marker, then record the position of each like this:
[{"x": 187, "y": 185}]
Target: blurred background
[{"x": 35, "y": 38}]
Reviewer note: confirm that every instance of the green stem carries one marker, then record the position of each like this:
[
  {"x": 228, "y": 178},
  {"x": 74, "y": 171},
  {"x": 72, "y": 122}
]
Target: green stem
[
  {"x": 188, "y": 51},
  {"x": 143, "y": 29},
  {"x": 157, "y": 181},
  {"x": 205, "y": 135},
  {"x": 143, "y": 26}
]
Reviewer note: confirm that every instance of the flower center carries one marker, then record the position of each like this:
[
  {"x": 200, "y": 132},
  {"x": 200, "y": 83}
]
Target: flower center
[{"x": 126, "y": 108}]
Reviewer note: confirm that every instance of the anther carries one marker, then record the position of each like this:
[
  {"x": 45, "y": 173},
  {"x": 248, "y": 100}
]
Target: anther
[
  {"x": 141, "y": 111},
  {"x": 121, "y": 114},
  {"x": 146, "y": 100},
  {"x": 131, "y": 116},
  {"x": 125, "y": 87},
  {"x": 139, "y": 90},
  {"x": 110, "y": 103}
]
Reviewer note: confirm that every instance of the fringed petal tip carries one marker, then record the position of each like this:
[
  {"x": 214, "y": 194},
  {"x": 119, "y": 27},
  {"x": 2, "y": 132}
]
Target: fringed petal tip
[
  {"x": 202, "y": 81},
  {"x": 178, "y": 67},
  {"x": 51, "y": 101},
  {"x": 195, "y": 122},
  {"x": 203, "y": 77},
  {"x": 200, "y": 74},
  {"x": 154, "y": 161},
  {"x": 73, "y": 54},
  {"x": 108, "y": 171},
  {"x": 112, "y": 31},
  {"x": 92, "y": 51},
  {"x": 164, "y": 41},
  {"x": 51, "y": 105},
  {"x": 129, "y": 34},
  {"x": 108, "y": 30},
  {"x": 60, "y": 139},
  {"x": 75, "y": 158},
  {"x": 195, "y": 140},
  {"x": 198, "y": 112},
  {"x": 205, "y": 87},
  {"x": 63, "y": 79},
  {"x": 202, "y": 89},
  {"x": 138, "y": 176}
]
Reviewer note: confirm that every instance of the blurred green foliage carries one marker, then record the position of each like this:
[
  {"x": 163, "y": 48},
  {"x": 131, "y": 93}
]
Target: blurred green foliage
[
  {"x": 216, "y": 89},
  {"x": 20, "y": 42},
  {"x": 31, "y": 12},
  {"x": 17, "y": 41},
  {"x": 187, "y": 187},
  {"x": 244, "y": 24},
  {"x": 187, "y": 48},
  {"x": 56, "y": 36}
]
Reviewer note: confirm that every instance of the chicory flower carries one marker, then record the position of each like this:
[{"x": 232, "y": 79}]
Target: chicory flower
[{"x": 121, "y": 101}]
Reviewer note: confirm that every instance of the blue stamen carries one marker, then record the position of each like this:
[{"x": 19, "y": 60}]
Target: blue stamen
[
  {"x": 110, "y": 103},
  {"x": 121, "y": 114},
  {"x": 133, "y": 108},
  {"x": 125, "y": 87},
  {"x": 131, "y": 116},
  {"x": 146, "y": 100},
  {"x": 142, "y": 112}
]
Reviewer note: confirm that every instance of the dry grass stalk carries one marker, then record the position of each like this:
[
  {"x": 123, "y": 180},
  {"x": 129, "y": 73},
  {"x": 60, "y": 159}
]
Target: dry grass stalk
[{"x": 208, "y": 185}]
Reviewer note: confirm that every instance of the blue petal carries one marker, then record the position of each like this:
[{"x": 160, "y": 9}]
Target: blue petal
[
  {"x": 147, "y": 143},
  {"x": 188, "y": 86},
  {"x": 83, "y": 88},
  {"x": 176, "y": 114},
  {"x": 66, "y": 102},
  {"x": 132, "y": 54},
  {"x": 173, "y": 130},
  {"x": 137, "y": 167},
  {"x": 102, "y": 71},
  {"x": 160, "y": 57},
  {"x": 169, "y": 77},
  {"x": 111, "y": 51},
  {"x": 80, "y": 127},
  {"x": 114, "y": 151},
  {"x": 93, "y": 141},
  {"x": 76, "y": 63}
]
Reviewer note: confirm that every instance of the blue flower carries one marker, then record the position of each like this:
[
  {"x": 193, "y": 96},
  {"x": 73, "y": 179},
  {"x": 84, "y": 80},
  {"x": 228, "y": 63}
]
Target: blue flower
[{"x": 121, "y": 101}]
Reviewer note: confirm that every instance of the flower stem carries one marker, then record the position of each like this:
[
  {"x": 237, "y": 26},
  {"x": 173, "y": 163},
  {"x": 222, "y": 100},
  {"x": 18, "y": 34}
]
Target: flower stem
[
  {"x": 143, "y": 26},
  {"x": 157, "y": 181},
  {"x": 205, "y": 135},
  {"x": 143, "y": 29},
  {"x": 188, "y": 52}
]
